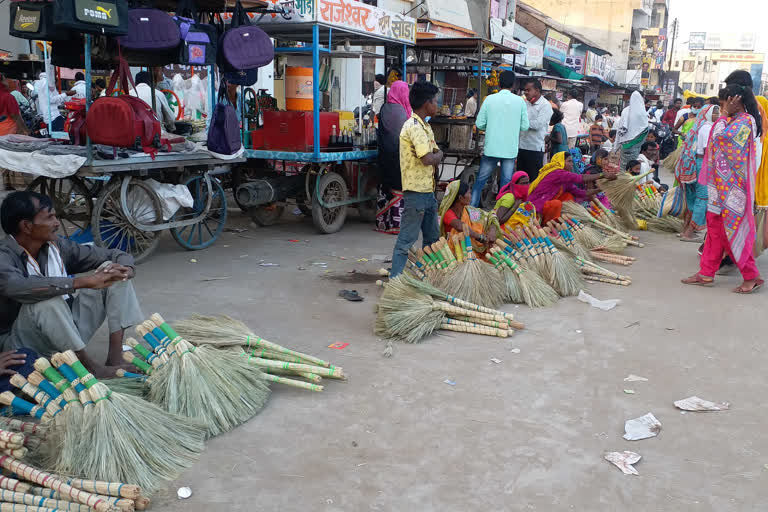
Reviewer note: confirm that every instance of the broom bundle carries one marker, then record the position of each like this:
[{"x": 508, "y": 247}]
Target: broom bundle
[
  {"x": 216, "y": 388},
  {"x": 511, "y": 278},
  {"x": 534, "y": 289},
  {"x": 123, "y": 438},
  {"x": 594, "y": 272},
  {"x": 565, "y": 277},
  {"x": 577, "y": 211},
  {"x": 567, "y": 239},
  {"x": 224, "y": 331},
  {"x": 583, "y": 234},
  {"x": 406, "y": 313},
  {"x": 621, "y": 192}
]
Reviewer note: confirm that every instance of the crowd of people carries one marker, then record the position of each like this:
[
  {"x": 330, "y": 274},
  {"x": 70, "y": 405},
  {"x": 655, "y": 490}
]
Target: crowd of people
[{"x": 718, "y": 151}]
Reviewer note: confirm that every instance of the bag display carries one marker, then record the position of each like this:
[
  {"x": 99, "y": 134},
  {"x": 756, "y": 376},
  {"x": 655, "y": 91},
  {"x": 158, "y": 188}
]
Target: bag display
[
  {"x": 34, "y": 20},
  {"x": 123, "y": 121},
  {"x": 150, "y": 30},
  {"x": 224, "y": 130},
  {"x": 106, "y": 17},
  {"x": 243, "y": 46},
  {"x": 71, "y": 53},
  {"x": 245, "y": 77},
  {"x": 198, "y": 40}
]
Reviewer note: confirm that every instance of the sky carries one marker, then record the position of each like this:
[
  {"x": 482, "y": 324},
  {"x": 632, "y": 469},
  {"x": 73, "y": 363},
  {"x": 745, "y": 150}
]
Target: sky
[{"x": 720, "y": 16}]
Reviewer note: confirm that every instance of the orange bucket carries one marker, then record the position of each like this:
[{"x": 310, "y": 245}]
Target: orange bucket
[{"x": 298, "y": 88}]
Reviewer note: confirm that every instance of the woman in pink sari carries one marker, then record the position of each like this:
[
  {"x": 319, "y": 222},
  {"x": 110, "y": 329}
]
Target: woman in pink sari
[{"x": 729, "y": 171}]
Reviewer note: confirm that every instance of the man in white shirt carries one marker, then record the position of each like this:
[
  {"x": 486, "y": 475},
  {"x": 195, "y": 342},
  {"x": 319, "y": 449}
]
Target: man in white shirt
[
  {"x": 649, "y": 152},
  {"x": 162, "y": 109},
  {"x": 47, "y": 95},
  {"x": 530, "y": 156},
  {"x": 379, "y": 93},
  {"x": 79, "y": 86},
  {"x": 571, "y": 110}
]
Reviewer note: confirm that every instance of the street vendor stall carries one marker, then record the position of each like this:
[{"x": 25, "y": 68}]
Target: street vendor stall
[
  {"x": 318, "y": 159},
  {"x": 458, "y": 64}
]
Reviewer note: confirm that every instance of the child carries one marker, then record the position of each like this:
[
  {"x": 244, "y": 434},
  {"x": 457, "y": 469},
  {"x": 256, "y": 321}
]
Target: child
[
  {"x": 608, "y": 144},
  {"x": 596, "y": 134}
]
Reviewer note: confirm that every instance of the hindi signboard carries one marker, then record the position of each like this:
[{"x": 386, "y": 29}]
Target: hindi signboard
[
  {"x": 367, "y": 19},
  {"x": 556, "y": 46}
]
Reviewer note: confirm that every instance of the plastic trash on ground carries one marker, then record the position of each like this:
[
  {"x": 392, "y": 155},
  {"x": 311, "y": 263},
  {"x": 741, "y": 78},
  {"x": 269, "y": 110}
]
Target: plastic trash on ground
[
  {"x": 697, "y": 404},
  {"x": 624, "y": 461},
  {"x": 605, "y": 305},
  {"x": 642, "y": 428}
]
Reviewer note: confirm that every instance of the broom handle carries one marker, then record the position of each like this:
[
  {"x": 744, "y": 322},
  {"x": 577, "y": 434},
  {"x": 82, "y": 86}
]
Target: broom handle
[
  {"x": 455, "y": 310},
  {"x": 603, "y": 252},
  {"x": 596, "y": 269},
  {"x": 14, "y": 485},
  {"x": 293, "y": 383},
  {"x": 332, "y": 372},
  {"x": 38, "y": 395},
  {"x": 49, "y": 388},
  {"x": 608, "y": 259},
  {"x": 4, "y": 445},
  {"x": 262, "y": 343},
  {"x": 124, "y": 504},
  {"x": 474, "y": 307},
  {"x": 12, "y": 437},
  {"x": 591, "y": 272},
  {"x": 601, "y": 279},
  {"x": 488, "y": 323},
  {"x": 50, "y": 481},
  {"x": 82, "y": 393},
  {"x": 39, "y": 501},
  {"x": 26, "y": 427},
  {"x": 18, "y": 453},
  {"x": 458, "y": 326},
  {"x": 115, "y": 489},
  {"x": 316, "y": 379},
  {"x": 15, "y": 507}
]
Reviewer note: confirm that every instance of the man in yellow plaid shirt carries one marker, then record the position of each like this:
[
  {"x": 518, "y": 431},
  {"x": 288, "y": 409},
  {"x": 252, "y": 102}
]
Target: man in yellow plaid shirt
[{"x": 419, "y": 155}]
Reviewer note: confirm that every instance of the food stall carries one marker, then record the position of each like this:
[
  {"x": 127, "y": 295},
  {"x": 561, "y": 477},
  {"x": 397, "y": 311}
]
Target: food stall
[
  {"x": 300, "y": 155},
  {"x": 458, "y": 64}
]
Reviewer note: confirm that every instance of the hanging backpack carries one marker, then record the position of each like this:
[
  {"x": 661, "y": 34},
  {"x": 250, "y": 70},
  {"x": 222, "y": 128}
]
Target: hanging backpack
[
  {"x": 74, "y": 124},
  {"x": 150, "y": 30},
  {"x": 123, "y": 121},
  {"x": 34, "y": 20},
  {"x": 243, "y": 46},
  {"x": 106, "y": 17},
  {"x": 198, "y": 40},
  {"x": 224, "y": 130}
]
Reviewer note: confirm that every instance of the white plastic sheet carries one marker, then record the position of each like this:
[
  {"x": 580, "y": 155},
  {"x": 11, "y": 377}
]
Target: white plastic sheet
[
  {"x": 624, "y": 461},
  {"x": 605, "y": 305},
  {"x": 642, "y": 428},
  {"x": 696, "y": 404}
]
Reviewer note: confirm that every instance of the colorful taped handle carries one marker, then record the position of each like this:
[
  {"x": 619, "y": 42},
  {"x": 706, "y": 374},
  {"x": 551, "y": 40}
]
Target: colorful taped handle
[
  {"x": 51, "y": 390},
  {"x": 29, "y": 408},
  {"x": 57, "y": 378}
]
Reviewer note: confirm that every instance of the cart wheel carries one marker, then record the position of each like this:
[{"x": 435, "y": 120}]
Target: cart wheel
[
  {"x": 201, "y": 235},
  {"x": 368, "y": 209},
  {"x": 332, "y": 188},
  {"x": 266, "y": 215},
  {"x": 111, "y": 228},
  {"x": 72, "y": 202}
]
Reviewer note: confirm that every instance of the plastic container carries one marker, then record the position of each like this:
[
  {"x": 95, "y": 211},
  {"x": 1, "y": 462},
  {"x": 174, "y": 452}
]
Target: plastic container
[{"x": 298, "y": 88}]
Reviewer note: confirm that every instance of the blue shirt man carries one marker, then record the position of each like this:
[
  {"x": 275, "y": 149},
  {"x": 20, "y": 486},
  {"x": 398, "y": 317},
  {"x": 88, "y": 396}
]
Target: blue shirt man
[{"x": 503, "y": 116}]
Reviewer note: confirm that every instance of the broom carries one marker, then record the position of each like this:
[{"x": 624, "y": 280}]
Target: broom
[
  {"x": 621, "y": 192},
  {"x": 511, "y": 279},
  {"x": 584, "y": 235},
  {"x": 569, "y": 240},
  {"x": 218, "y": 388},
  {"x": 130, "y": 439},
  {"x": 474, "y": 280},
  {"x": 565, "y": 276},
  {"x": 536, "y": 292},
  {"x": 574, "y": 211}
]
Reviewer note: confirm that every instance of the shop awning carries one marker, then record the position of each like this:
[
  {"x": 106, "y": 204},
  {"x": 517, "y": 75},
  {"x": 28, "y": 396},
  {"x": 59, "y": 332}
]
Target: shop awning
[
  {"x": 600, "y": 79},
  {"x": 564, "y": 71},
  {"x": 545, "y": 21}
]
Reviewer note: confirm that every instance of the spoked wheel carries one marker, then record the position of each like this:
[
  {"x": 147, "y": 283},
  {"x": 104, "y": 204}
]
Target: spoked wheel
[
  {"x": 72, "y": 202},
  {"x": 201, "y": 235},
  {"x": 266, "y": 215},
  {"x": 331, "y": 188},
  {"x": 110, "y": 225}
]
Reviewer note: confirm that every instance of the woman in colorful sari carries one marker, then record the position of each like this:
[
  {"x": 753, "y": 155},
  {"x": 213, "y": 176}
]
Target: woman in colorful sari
[
  {"x": 632, "y": 130},
  {"x": 729, "y": 170},
  {"x": 455, "y": 212},
  {"x": 687, "y": 174},
  {"x": 392, "y": 116},
  {"x": 557, "y": 183},
  {"x": 512, "y": 207}
]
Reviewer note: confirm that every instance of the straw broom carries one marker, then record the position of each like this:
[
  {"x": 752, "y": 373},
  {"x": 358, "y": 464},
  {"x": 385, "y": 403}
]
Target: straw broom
[
  {"x": 215, "y": 387},
  {"x": 536, "y": 292},
  {"x": 124, "y": 504},
  {"x": 574, "y": 211},
  {"x": 572, "y": 246},
  {"x": 584, "y": 234},
  {"x": 565, "y": 276},
  {"x": 130, "y": 439},
  {"x": 44, "y": 503},
  {"x": 511, "y": 279}
]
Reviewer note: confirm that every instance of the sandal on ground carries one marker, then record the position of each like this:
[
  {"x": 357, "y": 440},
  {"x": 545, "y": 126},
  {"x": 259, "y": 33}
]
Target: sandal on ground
[
  {"x": 758, "y": 284},
  {"x": 350, "y": 295},
  {"x": 698, "y": 280},
  {"x": 697, "y": 239}
]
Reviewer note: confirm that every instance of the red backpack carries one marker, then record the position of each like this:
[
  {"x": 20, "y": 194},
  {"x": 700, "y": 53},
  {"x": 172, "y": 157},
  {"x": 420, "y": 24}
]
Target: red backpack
[
  {"x": 74, "y": 124},
  {"x": 123, "y": 121}
]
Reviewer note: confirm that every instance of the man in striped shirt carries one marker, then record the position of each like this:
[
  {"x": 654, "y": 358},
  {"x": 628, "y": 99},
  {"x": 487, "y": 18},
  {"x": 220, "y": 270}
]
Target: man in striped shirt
[{"x": 597, "y": 134}]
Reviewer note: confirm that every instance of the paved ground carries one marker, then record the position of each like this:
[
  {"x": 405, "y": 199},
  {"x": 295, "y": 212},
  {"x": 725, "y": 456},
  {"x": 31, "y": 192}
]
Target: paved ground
[{"x": 525, "y": 434}]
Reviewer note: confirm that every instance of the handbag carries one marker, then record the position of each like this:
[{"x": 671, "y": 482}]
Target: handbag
[
  {"x": 150, "y": 30},
  {"x": 34, "y": 20},
  {"x": 106, "y": 17},
  {"x": 243, "y": 46},
  {"x": 245, "y": 77},
  {"x": 224, "y": 130},
  {"x": 198, "y": 40}
]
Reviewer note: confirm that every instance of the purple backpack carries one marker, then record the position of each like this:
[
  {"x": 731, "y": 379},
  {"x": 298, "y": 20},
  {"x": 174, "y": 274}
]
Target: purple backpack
[
  {"x": 150, "y": 29},
  {"x": 224, "y": 130},
  {"x": 244, "y": 46}
]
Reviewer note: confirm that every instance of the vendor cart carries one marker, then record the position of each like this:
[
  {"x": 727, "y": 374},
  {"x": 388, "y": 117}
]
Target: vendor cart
[
  {"x": 461, "y": 63},
  {"x": 323, "y": 179}
]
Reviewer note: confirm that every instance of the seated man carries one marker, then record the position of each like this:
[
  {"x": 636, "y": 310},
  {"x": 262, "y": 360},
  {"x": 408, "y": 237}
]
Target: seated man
[{"x": 44, "y": 309}]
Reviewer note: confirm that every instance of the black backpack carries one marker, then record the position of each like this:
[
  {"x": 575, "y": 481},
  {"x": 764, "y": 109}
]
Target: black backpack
[
  {"x": 198, "y": 40},
  {"x": 105, "y": 17},
  {"x": 34, "y": 20}
]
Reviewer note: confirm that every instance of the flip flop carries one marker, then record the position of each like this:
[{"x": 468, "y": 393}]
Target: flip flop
[
  {"x": 758, "y": 284},
  {"x": 350, "y": 295},
  {"x": 698, "y": 281},
  {"x": 694, "y": 239}
]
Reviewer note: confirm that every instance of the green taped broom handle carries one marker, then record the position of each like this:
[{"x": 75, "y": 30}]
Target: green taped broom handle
[
  {"x": 58, "y": 379},
  {"x": 441, "y": 263},
  {"x": 70, "y": 374},
  {"x": 168, "y": 330},
  {"x": 163, "y": 337},
  {"x": 141, "y": 365},
  {"x": 145, "y": 353}
]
